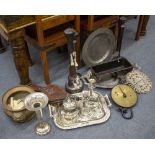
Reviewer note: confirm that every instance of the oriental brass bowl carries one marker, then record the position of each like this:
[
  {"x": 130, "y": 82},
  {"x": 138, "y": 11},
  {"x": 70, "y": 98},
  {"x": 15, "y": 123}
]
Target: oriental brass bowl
[{"x": 13, "y": 104}]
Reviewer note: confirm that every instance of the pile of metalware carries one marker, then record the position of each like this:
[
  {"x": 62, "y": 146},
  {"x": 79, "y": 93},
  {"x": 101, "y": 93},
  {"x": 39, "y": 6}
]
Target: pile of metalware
[{"x": 78, "y": 107}]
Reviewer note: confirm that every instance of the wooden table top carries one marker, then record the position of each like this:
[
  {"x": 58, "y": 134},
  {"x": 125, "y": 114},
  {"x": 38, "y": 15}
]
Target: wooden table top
[{"x": 10, "y": 23}]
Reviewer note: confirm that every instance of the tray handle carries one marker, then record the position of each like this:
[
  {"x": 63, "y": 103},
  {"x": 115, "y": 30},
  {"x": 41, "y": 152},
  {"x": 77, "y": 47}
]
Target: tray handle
[
  {"x": 107, "y": 101},
  {"x": 52, "y": 110}
]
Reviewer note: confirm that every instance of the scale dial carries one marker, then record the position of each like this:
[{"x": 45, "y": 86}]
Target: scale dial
[{"x": 124, "y": 96}]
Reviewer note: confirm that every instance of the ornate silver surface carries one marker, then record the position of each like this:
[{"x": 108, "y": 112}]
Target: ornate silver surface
[
  {"x": 42, "y": 128},
  {"x": 139, "y": 81},
  {"x": 106, "y": 83},
  {"x": 82, "y": 109},
  {"x": 38, "y": 98},
  {"x": 76, "y": 87},
  {"x": 36, "y": 102},
  {"x": 99, "y": 47}
]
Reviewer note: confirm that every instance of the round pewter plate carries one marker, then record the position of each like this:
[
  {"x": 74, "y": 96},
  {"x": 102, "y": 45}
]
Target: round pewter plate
[{"x": 99, "y": 47}]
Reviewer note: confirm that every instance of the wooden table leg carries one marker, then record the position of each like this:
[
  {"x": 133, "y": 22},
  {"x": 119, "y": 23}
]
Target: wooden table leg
[
  {"x": 45, "y": 67},
  {"x": 140, "y": 23},
  {"x": 28, "y": 55},
  {"x": 20, "y": 57},
  {"x": 2, "y": 48},
  {"x": 144, "y": 25},
  {"x": 90, "y": 22},
  {"x": 121, "y": 26}
]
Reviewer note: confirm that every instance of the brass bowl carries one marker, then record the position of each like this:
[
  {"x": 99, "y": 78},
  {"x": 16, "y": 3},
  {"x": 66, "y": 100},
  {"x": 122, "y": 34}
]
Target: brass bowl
[{"x": 18, "y": 112}]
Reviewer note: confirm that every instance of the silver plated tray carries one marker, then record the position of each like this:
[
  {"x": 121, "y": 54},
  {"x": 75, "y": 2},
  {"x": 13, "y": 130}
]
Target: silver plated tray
[
  {"x": 99, "y": 47},
  {"x": 83, "y": 115}
]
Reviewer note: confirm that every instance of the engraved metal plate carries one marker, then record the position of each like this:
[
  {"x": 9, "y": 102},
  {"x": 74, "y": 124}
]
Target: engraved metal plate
[
  {"x": 99, "y": 47},
  {"x": 87, "y": 111}
]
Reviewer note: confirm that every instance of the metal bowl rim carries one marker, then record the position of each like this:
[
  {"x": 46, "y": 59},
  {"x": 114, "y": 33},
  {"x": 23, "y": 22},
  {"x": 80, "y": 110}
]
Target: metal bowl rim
[{"x": 11, "y": 91}]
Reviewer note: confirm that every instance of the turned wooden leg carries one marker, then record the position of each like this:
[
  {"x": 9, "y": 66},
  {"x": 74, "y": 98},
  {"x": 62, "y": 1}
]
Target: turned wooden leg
[
  {"x": 28, "y": 55},
  {"x": 20, "y": 57},
  {"x": 45, "y": 67},
  {"x": 141, "y": 18},
  {"x": 144, "y": 25}
]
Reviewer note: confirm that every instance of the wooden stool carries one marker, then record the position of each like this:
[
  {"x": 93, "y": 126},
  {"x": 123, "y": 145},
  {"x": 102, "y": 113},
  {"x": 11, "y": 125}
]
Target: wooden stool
[{"x": 50, "y": 35}]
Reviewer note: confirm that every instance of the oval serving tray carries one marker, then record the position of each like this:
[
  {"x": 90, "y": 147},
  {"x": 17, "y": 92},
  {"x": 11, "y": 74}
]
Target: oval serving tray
[{"x": 98, "y": 115}]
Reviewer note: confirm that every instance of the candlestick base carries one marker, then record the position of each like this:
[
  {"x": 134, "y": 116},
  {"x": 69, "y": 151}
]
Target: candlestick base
[
  {"x": 42, "y": 128},
  {"x": 76, "y": 88}
]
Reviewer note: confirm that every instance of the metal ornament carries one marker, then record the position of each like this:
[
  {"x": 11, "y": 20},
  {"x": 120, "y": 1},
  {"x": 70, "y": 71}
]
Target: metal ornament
[
  {"x": 125, "y": 97},
  {"x": 74, "y": 83},
  {"x": 139, "y": 81},
  {"x": 102, "y": 81},
  {"x": 109, "y": 74},
  {"x": 36, "y": 102},
  {"x": 82, "y": 109}
]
